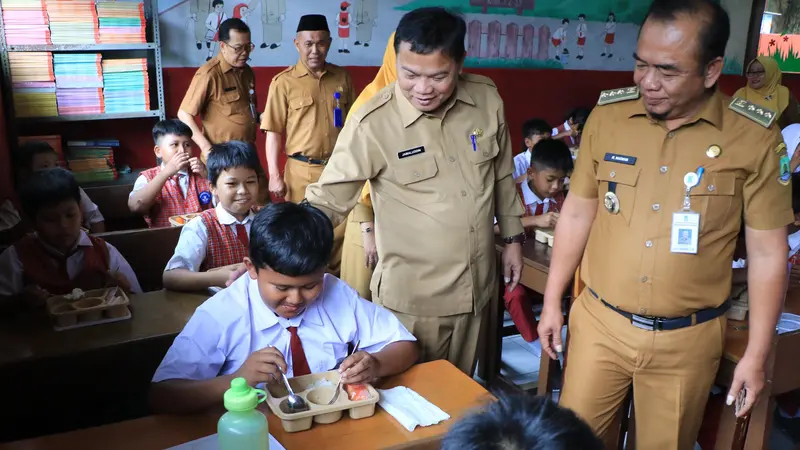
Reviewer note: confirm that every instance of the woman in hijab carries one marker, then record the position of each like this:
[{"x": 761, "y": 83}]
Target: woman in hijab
[
  {"x": 359, "y": 254},
  {"x": 764, "y": 88}
]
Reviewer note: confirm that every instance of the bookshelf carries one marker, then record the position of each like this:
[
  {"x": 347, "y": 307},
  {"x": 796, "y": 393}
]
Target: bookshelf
[{"x": 151, "y": 51}]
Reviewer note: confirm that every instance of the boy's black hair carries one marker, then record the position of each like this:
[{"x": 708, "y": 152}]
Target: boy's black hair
[
  {"x": 291, "y": 239},
  {"x": 552, "y": 154},
  {"x": 48, "y": 188},
  {"x": 579, "y": 115},
  {"x": 565, "y": 21},
  {"x": 796, "y": 192},
  {"x": 231, "y": 24},
  {"x": 522, "y": 422},
  {"x": 430, "y": 30},
  {"x": 533, "y": 127},
  {"x": 23, "y": 157},
  {"x": 229, "y": 155},
  {"x": 217, "y": 2},
  {"x": 581, "y": 16},
  {"x": 170, "y": 126}
]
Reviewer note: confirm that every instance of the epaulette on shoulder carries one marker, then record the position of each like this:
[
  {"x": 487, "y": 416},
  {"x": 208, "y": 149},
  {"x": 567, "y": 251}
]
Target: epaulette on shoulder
[
  {"x": 758, "y": 114},
  {"x": 475, "y": 78},
  {"x": 381, "y": 98},
  {"x": 205, "y": 68},
  {"x": 282, "y": 72},
  {"x": 618, "y": 95}
]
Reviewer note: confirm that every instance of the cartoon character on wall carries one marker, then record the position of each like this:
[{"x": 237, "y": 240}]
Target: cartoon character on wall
[
  {"x": 241, "y": 11},
  {"x": 199, "y": 9},
  {"x": 343, "y": 20},
  {"x": 611, "y": 30},
  {"x": 213, "y": 20},
  {"x": 581, "y": 33},
  {"x": 366, "y": 17},
  {"x": 273, "y": 14},
  {"x": 559, "y": 39}
]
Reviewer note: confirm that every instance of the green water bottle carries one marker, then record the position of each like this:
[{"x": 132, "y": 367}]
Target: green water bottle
[{"x": 243, "y": 427}]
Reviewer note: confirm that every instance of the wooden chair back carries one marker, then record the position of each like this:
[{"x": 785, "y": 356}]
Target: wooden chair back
[{"x": 147, "y": 250}]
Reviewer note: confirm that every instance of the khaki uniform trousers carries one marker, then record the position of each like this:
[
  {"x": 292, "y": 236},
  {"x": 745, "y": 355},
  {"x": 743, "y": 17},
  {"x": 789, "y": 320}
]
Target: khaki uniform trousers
[
  {"x": 354, "y": 272},
  {"x": 297, "y": 176},
  {"x": 671, "y": 373},
  {"x": 454, "y": 338}
]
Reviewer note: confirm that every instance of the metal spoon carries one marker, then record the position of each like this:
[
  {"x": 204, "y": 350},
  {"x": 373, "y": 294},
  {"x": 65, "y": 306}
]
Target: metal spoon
[
  {"x": 339, "y": 384},
  {"x": 295, "y": 403}
]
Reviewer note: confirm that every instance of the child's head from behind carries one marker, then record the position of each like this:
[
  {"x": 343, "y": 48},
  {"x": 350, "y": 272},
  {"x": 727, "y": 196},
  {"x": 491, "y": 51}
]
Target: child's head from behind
[
  {"x": 32, "y": 156},
  {"x": 51, "y": 198},
  {"x": 535, "y": 130},
  {"x": 551, "y": 162},
  {"x": 522, "y": 422},
  {"x": 233, "y": 174},
  {"x": 290, "y": 247},
  {"x": 171, "y": 137}
]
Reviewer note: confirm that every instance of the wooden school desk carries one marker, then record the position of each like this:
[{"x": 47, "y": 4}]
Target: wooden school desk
[{"x": 439, "y": 382}]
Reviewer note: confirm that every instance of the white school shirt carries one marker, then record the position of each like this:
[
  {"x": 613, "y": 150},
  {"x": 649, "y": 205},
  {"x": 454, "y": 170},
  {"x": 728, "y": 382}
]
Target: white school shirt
[
  {"x": 611, "y": 27},
  {"x": 561, "y": 34},
  {"x": 183, "y": 182},
  {"x": 225, "y": 330},
  {"x": 91, "y": 213},
  {"x": 581, "y": 31},
  {"x": 521, "y": 163},
  {"x": 193, "y": 242},
  {"x": 12, "y": 283},
  {"x": 532, "y": 200}
]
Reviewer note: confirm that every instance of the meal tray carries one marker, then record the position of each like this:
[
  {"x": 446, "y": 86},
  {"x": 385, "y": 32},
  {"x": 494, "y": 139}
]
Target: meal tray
[
  {"x": 91, "y": 309},
  {"x": 182, "y": 219},
  {"x": 545, "y": 236},
  {"x": 317, "y": 399}
]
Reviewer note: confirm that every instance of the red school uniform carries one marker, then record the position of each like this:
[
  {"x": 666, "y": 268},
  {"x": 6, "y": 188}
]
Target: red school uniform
[
  {"x": 170, "y": 202},
  {"x": 49, "y": 271},
  {"x": 223, "y": 247}
]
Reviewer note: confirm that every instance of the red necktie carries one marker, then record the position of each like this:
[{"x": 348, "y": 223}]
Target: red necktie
[
  {"x": 539, "y": 209},
  {"x": 299, "y": 362},
  {"x": 241, "y": 235}
]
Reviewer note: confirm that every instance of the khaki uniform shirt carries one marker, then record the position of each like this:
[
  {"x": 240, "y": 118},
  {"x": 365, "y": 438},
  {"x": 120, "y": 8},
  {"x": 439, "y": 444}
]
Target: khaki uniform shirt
[
  {"x": 220, "y": 94},
  {"x": 628, "y": 261},
  {"x": 300, "y": 107},
  {"x": 434, "y": 196}
]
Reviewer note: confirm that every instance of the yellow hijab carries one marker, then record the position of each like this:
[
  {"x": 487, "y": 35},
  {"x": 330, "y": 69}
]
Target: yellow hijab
[
  {"x": 387, "y": 75},
  {"x": 773, "y": 94}
]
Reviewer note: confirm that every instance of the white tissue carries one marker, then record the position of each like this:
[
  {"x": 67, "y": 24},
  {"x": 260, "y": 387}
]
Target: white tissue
[{"x": 410, "y": 408}]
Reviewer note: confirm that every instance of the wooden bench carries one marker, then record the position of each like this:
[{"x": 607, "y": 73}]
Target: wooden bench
[
  {"x": 147, "y": 250},
  {"x": 112, "y": 200}
]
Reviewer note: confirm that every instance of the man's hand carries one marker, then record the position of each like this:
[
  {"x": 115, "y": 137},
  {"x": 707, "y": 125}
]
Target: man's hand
[
  {"x": 178, "y": 162},
  {"x": 277, "y": 187},
  {"x": 197, "y": 167},
  {"x": 262, "y": 366},
  {"x": 748, "y": 376},
  {"x": 547, "y": 220},
  {"x": 512, "y": 264},
  {"x": 35, "y": 296},
  {"x": 360, "y": 367},
  {"x": 550, "y": 324},
  {"x": 370, "y": 249}
]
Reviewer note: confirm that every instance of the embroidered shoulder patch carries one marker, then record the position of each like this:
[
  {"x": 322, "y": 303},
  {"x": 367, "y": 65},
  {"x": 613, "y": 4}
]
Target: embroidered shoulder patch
[
  {"x": 618, "y": 95},
  {"x": 758, "y": 114}
]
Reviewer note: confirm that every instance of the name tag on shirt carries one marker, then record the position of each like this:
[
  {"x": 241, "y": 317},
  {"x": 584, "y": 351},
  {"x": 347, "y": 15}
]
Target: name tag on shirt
[
  {"x": 622, "y": 159},
  {"x": 411, "y": 152},
  {"x": 230, "y": 89},
  {"x": 685, "y": 228}
]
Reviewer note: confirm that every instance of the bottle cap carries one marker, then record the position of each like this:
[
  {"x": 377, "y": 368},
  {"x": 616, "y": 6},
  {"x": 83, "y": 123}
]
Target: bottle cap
[
  {"x": 337, "y": 95},
  {"x": 240, "y": 397}
]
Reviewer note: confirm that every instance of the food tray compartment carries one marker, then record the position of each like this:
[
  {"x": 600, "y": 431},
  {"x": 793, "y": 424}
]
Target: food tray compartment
[
  {"x": 91, "y": 308},
  {"x": 317, "y": 389},
  {"x": 545, "y": 236},
  {"x": 182, "y": 219}
]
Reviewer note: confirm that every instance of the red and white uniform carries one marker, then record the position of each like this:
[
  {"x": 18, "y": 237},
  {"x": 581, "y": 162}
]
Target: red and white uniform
[
  {"x": 581, "y": 31},
  {"x": 180, "y": 195},
  {"x": 611, "y": 29},
  {"x": 558, "y": 36},
  {"x": 343, "y": 20}
]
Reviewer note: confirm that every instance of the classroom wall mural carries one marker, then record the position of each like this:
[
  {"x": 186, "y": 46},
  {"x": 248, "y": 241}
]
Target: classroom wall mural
[
  {"x": 553, "y": 34},
  {"x": 780, "y": 34}
]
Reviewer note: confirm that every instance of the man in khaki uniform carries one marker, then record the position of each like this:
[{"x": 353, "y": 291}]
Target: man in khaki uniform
[
  {"x": 436, "y": 150},
  {"x": 665, "y": 174},
  {"x": 222, "y": 92},
  {"x": 273, "y": 13},
  {"x": 300, "y": 106},
  {"x": 198, "y": 10},
  {"x": 366, "y": 13}
]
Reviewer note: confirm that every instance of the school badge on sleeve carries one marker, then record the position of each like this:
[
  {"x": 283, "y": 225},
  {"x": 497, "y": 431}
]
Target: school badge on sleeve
[
  {"x": 204, "y": 197},
  {"x": 786, "y": 169}
]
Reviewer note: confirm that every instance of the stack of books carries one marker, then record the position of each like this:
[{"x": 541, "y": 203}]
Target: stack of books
[
  {"x": 73, "y": 21},
  {"x": 53, "y": 140},
  {"x": 93, "y": 160},
  {"x": 121, "y": 22},
  {"x": 25, "y": 22},
  {"x": 33, "y": 84},
  {"x": 126, "y": 86},
  {"x": 79, "y": 83}
]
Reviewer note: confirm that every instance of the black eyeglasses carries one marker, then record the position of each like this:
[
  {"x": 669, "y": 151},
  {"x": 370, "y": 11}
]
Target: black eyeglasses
[
  {"x": 239, "y": 49},
  {"x": 755, "y": 73}
]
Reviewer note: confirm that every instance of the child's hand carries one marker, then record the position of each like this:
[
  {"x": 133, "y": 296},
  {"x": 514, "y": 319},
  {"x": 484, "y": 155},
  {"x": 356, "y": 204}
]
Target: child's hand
[
  {"x": 547, "y": 220},
  {"x": 179, "y": 161},
  {"x": 197, "y": 167},
  {"x": 118, "y": 279},
  {"x": 35, "y": 296},
  {"x": 360, "y": 367},
  {"x": 225, "y": 273},
  {"x": 262, "y": 366}
]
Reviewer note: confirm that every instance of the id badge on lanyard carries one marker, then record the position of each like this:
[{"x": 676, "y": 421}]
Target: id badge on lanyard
[{"x": 686, "y": 223}]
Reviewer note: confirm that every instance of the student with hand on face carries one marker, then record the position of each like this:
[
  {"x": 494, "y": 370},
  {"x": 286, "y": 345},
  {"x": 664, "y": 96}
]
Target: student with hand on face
[
  {"x": 179, "y": 185},
  {"x": 59, "y": 256},
  {"x": 285, "y": 314}
]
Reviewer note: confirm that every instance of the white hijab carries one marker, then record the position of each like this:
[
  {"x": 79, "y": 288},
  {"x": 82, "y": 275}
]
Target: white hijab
[{"x": 791, "y": 137}]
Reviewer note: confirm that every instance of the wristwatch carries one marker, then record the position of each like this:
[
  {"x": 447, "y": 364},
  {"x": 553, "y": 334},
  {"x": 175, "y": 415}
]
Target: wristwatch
[{"x": 518, "y": 238}]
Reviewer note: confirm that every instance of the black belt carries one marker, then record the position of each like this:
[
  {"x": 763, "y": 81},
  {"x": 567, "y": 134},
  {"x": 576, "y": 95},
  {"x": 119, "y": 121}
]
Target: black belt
[
  {"x": 306, "y": 159},
  {"x": 651, "y": 323}
]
